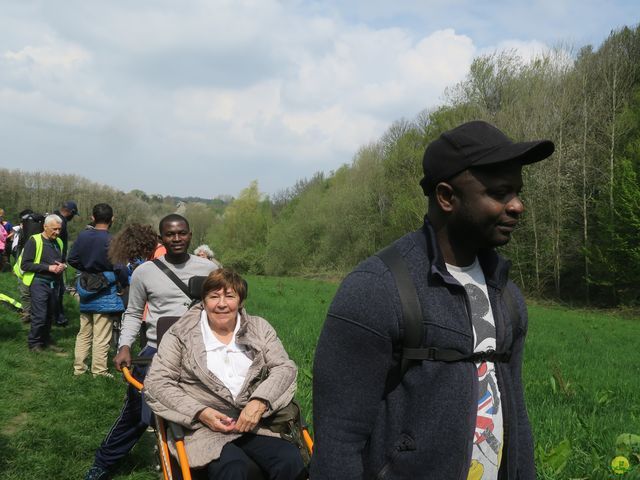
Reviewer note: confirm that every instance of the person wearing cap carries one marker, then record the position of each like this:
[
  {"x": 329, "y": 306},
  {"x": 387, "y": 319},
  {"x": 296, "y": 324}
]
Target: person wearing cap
[
  {"x": 454, "y": 416},
  {"x": 66, "y": 212}
]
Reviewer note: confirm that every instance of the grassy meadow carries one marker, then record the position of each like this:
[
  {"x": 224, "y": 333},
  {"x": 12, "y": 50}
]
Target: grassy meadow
[{"x": 582, "y": 380}]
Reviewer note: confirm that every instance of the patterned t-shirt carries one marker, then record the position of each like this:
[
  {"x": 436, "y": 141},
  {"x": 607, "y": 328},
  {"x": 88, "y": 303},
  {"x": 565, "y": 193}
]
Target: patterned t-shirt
[{"x": 488, "y": 436}]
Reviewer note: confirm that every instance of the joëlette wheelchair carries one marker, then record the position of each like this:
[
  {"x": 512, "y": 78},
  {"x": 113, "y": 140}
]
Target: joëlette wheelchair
[{"x": 178, "y": 469}]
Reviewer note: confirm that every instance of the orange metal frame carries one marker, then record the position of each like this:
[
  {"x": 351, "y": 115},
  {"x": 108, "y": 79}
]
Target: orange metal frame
[
  {"x": 182, "y": 453},
  {"x": 162, "y": 434}
]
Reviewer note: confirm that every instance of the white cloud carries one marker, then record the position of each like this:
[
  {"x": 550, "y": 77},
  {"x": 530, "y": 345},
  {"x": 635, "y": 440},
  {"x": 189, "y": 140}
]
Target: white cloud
[{"x": 49, "y": 57}]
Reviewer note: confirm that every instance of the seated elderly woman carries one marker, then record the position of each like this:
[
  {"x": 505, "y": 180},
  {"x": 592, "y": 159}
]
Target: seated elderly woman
[{"x": 218, "y": 372}]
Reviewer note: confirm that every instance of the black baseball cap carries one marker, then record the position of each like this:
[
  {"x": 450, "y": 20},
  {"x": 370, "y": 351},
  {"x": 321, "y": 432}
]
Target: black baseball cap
[
  {"x": 474, "y": 144},
  {"x": 71, "y": 206}
]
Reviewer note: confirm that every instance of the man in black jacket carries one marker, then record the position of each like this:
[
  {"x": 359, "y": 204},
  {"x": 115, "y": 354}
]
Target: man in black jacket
[
  {"x": 460, "y": 412},
  {"x": 66, "y": 212}
]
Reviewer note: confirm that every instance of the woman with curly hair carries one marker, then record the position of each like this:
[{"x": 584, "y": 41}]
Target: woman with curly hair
[{"x": 132, "y": 246}]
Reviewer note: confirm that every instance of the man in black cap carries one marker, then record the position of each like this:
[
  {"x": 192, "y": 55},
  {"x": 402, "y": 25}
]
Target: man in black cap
[
  {"x": 66, "y": 212},
  {"x": 417, "y": 372}
]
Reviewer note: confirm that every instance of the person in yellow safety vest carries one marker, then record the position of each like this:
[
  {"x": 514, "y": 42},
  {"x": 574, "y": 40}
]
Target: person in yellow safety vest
[{"x": 40, "y": 267}]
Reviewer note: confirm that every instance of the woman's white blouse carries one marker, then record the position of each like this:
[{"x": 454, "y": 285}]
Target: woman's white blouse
[{"x": 229, "y": 363}]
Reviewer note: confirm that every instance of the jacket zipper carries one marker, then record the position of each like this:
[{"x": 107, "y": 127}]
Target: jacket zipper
[
  {"x": 464, "y": 472},
  {"x": 504, "y": 467}
]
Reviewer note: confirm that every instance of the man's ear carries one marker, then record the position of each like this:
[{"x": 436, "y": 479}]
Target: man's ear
[
  {"x": 445, "y": 196},
  {"x": 93, "y": 219}
]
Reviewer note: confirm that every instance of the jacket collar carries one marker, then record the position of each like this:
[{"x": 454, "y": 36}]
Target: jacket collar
[{"x": 190, "y": 326}]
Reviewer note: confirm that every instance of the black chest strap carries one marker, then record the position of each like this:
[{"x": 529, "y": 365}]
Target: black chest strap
[{"x": 412, "y": 336}]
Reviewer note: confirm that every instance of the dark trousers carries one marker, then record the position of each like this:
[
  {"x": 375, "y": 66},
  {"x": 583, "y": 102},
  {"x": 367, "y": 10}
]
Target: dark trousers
[
  {"x": 61, "y": 319},
  {"x": 280, "y": 459},
  {"x": 130, "y": 425},
  {"x": 44, "y": 308}
]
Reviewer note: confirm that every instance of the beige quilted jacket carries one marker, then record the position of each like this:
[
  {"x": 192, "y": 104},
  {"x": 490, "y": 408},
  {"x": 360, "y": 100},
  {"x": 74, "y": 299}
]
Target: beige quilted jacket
[{"x": 179, "y": 385}]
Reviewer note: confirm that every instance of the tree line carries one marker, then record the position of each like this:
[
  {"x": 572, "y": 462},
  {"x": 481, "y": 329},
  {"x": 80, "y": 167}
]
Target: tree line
[{"x": 579, "y": 240}]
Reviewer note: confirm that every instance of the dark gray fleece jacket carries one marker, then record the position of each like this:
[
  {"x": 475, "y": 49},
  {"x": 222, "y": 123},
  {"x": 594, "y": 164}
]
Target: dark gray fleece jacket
[{"x": 423, "y": 428}]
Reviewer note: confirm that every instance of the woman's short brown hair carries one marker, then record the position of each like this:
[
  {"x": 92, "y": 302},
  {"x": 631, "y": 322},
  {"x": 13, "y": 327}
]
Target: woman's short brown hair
[{"x": 228, "y": 280}]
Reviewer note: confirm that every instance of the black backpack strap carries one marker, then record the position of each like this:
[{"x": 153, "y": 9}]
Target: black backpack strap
[
  {"x": 411, "y": 310},
  {"x": 172, "y": 276},
  {"x": 450, "y": 355}
]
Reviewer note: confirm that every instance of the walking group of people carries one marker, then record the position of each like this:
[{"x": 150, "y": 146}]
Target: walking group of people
[{"x": 417, "y": 372}]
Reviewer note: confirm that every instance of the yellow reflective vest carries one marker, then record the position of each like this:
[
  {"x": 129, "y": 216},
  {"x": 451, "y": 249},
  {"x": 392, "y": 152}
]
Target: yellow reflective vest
[{"x": 27, "y": 277}]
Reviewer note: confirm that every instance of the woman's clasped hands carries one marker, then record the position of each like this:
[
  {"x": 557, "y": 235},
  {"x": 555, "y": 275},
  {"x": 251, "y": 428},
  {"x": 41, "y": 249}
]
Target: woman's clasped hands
[{"x": 247, "y": 420}]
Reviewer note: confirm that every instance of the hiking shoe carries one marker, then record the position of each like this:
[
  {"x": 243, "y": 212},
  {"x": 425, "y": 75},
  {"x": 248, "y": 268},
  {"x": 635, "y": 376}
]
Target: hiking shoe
[
  {"x": 103, "y": 374},
  {"x": 36, "y": 349},
  {"x": 97, "y": 473}
]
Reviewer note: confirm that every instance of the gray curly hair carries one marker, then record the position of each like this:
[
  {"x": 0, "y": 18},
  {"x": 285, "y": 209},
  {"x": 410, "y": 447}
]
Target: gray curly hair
[{"x": 204, "y": 249}]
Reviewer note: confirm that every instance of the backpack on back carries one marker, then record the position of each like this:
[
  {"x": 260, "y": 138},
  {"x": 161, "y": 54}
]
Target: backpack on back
[{"x": 32, "y": 224}]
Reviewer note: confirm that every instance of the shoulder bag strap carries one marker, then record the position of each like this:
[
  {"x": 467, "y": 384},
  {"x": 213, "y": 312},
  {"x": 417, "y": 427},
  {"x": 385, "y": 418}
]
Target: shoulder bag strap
[{"x": 172, "y": 276}]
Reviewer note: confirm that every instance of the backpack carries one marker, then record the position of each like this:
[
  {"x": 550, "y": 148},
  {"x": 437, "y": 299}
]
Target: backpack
[
  {"x": 32, "y": 224},
  {"x": 412, "y": 349}
]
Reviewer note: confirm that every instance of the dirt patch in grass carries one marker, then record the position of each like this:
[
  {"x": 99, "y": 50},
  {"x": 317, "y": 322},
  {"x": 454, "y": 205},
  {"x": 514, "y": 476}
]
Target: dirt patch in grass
[{"x": 15, "y": 424}]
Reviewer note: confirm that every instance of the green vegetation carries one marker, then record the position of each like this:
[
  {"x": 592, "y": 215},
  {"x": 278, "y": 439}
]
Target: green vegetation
[
  {"x": 582, "y": 378},
  {"x": 582, "y": 375}
]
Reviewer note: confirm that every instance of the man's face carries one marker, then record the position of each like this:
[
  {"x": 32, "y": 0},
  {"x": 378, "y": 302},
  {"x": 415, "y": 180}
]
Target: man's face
[
  {"x": 175, "y": 236},
  {"x": 487, "y": 205},
  {"x": 67, "y": 214},
  {"x": 52, "y": 230}
]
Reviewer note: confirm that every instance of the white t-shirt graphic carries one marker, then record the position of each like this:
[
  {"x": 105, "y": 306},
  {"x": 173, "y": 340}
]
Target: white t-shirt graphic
[{"x": 488, "y": 436}]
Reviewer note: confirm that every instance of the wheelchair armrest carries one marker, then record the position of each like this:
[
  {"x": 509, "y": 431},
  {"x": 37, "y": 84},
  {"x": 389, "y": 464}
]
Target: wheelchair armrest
[{"x": 176, "y": 430}]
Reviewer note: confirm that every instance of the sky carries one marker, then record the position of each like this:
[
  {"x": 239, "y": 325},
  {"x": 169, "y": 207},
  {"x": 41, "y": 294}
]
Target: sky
[{"x": 201, "y": 97}]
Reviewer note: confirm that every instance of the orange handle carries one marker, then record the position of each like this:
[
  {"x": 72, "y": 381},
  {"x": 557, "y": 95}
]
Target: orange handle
[
  {"x": 308, "y": 441},
  {"x": 129, "y": 378}
]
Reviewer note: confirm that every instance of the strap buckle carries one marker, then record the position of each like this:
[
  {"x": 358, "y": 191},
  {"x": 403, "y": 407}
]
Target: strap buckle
[{"x": 486, "y": 355}]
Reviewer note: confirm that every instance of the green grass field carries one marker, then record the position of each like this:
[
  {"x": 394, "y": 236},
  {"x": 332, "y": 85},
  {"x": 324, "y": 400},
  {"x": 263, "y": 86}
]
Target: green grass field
[{"x": 582, "y": 378}]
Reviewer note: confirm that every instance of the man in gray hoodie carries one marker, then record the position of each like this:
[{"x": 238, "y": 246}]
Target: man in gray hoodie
[
  {"x": 152, "y": 288},
  {"x": 458, "y": 411}
]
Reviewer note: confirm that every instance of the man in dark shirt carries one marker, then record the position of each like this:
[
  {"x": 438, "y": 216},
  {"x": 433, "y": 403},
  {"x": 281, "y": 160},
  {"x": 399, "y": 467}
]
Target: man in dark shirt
[
  {"x": 42, "y": 264},
  {"x": 99, "y": 305},
  {"x": 66, "y": 212}
]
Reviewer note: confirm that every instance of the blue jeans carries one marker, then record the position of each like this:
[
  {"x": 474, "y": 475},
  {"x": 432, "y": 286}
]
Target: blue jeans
[{"x": 130, "y": 425}]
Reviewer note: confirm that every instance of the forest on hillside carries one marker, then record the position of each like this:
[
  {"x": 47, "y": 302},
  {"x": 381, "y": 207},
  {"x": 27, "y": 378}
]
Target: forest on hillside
[
  {"x": 44, "y": 192},
  {"x": 579, "y": 239}
]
